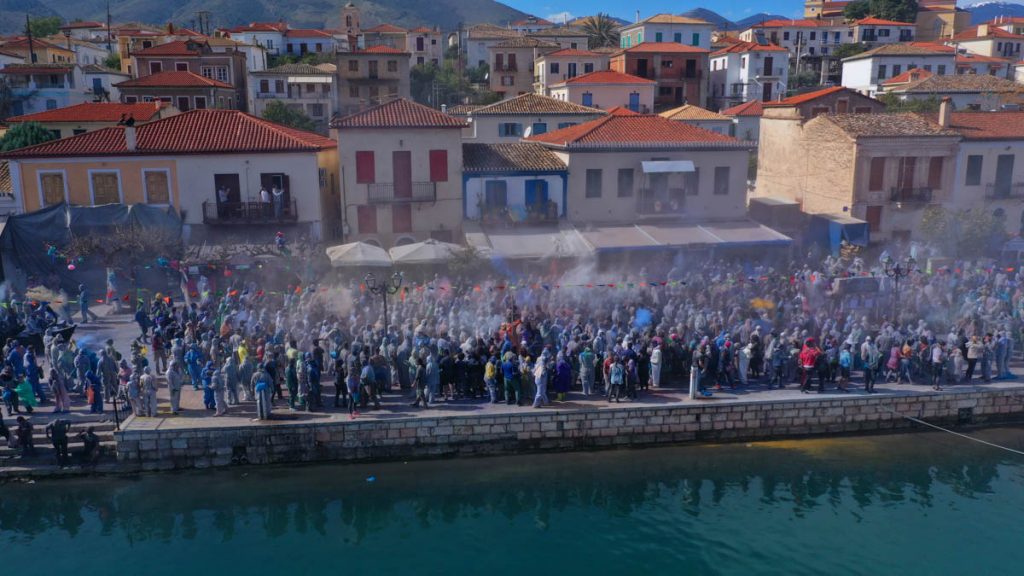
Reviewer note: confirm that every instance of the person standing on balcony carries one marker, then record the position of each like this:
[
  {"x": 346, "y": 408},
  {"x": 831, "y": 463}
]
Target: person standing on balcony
[
  {"x": 278, "y": 194},
  {"x": 222, "y": 202},
  {"x": 265, "y": 201}
]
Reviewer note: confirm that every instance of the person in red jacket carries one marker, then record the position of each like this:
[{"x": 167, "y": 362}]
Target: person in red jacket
[{"x": 808, "y": 360}]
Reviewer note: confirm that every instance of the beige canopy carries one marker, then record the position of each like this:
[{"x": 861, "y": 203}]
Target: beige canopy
[
  {"x": 358, "y": 255},
  {"x": 427, "y": 252}
]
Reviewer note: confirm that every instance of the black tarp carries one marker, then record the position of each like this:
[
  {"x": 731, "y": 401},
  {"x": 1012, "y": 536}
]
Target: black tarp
[{"x": 26, "y": 238}]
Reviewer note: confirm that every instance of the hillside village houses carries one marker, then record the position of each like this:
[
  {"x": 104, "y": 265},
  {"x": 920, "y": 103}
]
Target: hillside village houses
[
  {"x": 510, "y": 120},
  {"x": 965, "y": 91},
  {"x": 304, "y": 87},
  {"x": 747, "y": 71},
  {"x": 608, "y": 89},
  {"x": 867, "y": 71},
  {"x": 565, "y": 64},
  {"x": 90, "y": 116},
  {"x": 679, "y": 71}
]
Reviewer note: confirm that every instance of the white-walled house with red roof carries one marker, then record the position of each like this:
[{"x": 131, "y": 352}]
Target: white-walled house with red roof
[
  {"x": 210, "y": 165},
  {"x": 747, "y": 70},
  {"x": 90, "y": 116},
  {"x": 565, "y": 64},
  {"x": 806, "y": 37},
  {"x": 875, "y": 31},
  {"x": 607, "y": 89}
]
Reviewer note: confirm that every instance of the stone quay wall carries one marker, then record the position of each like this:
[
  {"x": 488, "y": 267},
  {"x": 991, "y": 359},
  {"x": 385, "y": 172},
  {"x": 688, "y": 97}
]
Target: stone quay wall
[{"x": 551, "y": 430}]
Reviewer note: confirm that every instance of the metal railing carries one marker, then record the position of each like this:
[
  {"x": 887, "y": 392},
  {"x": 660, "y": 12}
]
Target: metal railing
[
  {"x": 653, "y": 203},
  {"x": 249, "y": 212},
  {"x": 911, "y": 195},
  {"x": 1004, "y": 190},
  {"x": 387, "y": 193}
]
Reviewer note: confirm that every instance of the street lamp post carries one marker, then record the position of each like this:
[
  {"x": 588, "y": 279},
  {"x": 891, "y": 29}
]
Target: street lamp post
[
  {"x": 383, "y": 288},
  {"x": 898, "y": 271}
]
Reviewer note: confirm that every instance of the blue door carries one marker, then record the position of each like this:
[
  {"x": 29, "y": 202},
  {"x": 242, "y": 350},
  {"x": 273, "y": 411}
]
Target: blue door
[
  {"x": 634, "y": 101},
  {"x": 536, "y": 193},
  {"x": 97, "y": 85},
  {"x": 588, "y": 99}
]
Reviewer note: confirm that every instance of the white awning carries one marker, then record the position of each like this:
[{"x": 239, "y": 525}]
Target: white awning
[
  {"x": 667, "y": 166},
  {"x": 309, "y": 79}
]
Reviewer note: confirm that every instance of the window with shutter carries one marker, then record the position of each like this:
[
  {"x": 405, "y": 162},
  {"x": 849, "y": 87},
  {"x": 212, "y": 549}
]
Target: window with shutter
[
  {"x": 438, "y": 165},
  {"x": 366, "y": 217},
  {"x": 877, "y": 177},
  {"x": 365, "y": 170},
  {"x": 157, "y": 187},
  {"x": 52, "y": 184},
  {"x": 105, "y": 188}
]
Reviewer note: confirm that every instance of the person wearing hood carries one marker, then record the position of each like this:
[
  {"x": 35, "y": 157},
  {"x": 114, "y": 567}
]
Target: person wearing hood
[
  {"x": 82, "y": 365},
  {"x": 229, "y": 372},
  {"x": 264, "y": 390},
  {"x": 563, "y": 377},
  {"x": 588, "y": 364},
  {"x": 220, "y": 400},
  {"x": 32, "y": 372},
  {"x": 245, "y": 372},
  {"x": 175, "y": 381},
  {"x": 540, "y": 381},
  {"x": 61, "y": 398},
  {"x": 209, "y": 400},
  {"x": 193, "y": 361},
  {"x": 313, "y": 398}
]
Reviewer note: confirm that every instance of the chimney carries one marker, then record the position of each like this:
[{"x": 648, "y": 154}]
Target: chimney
[
  {"x": 444, "y": 108},
  {"x": 637, "y": 16},
  {"x": 982, "y": 30},
  {"x": 946, "y": 112},
  {"x": 129, "y": 138}
]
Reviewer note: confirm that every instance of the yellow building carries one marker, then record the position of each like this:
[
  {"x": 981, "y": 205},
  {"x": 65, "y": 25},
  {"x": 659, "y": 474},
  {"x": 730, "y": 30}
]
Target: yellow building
[
  {"x": 41, "y": 51},
  {"x": 937, "y": 19}
]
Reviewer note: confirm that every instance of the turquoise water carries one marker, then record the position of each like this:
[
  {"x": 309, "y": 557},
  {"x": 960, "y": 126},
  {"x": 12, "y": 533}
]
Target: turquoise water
[{"x": 910, "y": 504}]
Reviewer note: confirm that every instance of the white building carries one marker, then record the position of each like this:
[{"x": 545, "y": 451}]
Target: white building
[
  {"x": 865, "y": 72},
  {"x": 606, "y": 90},
  {"x": 806, "y": 37},
  {"x": 990, "y": 163},
  {"x": 565, "y": 64},
  {"x": 878, "y": 31},
  {"x": 668, "y": 28},
  {"x": 988, "y": 40},
  {"x": 303, "y": 87},
  {"x": 302, "y": 41},
  {"x": 269, "y": 35},
  {"x": 746, "y": 71},
  {"x": 530, "y": 114}
]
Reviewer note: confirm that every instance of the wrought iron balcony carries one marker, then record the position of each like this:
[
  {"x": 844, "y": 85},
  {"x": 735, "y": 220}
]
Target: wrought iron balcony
[
  {"x": 227, "y": 213},
  {"x": 1004, "y": 190},
  {"x": 388, "y": 193},
  {"x": 921, "y": 195}
]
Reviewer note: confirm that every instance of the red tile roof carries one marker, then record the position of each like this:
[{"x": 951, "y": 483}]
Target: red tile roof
[
  {"x": 804, "y": 98},
  {"x": 379, "y": 50},
  {"x": 913, "y": 74},
  {"x": 260, "y": 27},
  {"x": 94, "y": 112},
  {"x": 872, "y": 21},
  {"x": 993, "y": 32},
  {"x": 195, "y": 132},
  {"x": 569, "y": 52},
  {"x": 307, "y": 33},
  {"x": 803, "y": 23},
  {"x": 81, "y": 25},
  {"x": 989, "y": 125},
  {"x": 172, "y": 78},
  {"x": 637, "y": 130},
  {"x": 176, "y": 48},
  {"x": 608, "y": 77},
  {"x": 751, "y": 108},
  {"x": 422, "y": 30},
  {"x": 385, "y": 29},
  {"x": 1004, "y": 20},
  {"x": 969, "y": 58},
  {"x": 36, "y": 69},
  {"x": 621, "y": 111},
  {"x": 744, "y": 47},
  {"x": 21, "y": 42},
  {"x": 400, "y": 113},
  {"x": 665, "y": 47}
]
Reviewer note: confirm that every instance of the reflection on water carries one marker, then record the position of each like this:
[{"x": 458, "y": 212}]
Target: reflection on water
[{"x": 602, "y": 504}]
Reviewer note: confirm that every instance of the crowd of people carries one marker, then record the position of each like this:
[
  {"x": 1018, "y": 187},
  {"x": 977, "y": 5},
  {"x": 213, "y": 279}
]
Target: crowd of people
[{"x": 532, "y": 339}]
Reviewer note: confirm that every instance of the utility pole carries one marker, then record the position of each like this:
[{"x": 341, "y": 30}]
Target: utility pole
[
  {"x": 28, "y": 32},
  {"x": 110, "y": 47}
]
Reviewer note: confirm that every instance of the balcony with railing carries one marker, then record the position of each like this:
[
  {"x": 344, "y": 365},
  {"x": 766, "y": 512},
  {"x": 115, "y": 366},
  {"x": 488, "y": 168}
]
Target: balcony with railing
[
  {"x": 905, "y": 195},
  {"x": 1004, "y": 190},
  {"x": 389, "y": 193},
  {"x": 228, "y": 213},
  {"x": 776, "y": 72},
  {"x": 660, "y": 202}
]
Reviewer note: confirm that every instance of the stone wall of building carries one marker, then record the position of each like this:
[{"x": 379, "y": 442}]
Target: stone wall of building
[{"x": 551, "y": 430}]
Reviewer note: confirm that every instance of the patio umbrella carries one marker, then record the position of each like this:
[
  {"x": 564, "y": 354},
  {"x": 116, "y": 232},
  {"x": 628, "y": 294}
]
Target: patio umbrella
[
  {"x": 427, "y": 252},
  {"x": 358, "y": 254}
]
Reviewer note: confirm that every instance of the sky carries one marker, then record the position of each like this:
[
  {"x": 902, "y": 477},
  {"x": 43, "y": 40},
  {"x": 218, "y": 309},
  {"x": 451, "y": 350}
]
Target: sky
[{"x": 626, "y": 9}]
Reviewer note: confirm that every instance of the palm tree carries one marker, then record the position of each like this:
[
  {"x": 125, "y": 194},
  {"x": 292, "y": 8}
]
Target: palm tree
[{"x": 602, "y": 31}]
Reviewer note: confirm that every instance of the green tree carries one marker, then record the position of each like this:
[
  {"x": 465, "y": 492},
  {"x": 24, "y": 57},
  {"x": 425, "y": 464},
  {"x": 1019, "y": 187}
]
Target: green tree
[
  {"x": 857, "y": 10},
  {"x": 113, "y": 62},
  {"x": 279, "y": 112},
  {"x": 898, "y": 10},
  {"x": 601, "y": 30},
  {"x": 847, "y": 50},
  {"x": 44, "y": 26},
  {"x": 967, "y": 233},
  {"x": 25, "y": 134},
  {"x": 436, "y": 85}
]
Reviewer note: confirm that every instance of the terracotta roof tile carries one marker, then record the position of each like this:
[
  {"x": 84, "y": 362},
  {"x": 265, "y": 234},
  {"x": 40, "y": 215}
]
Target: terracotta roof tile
[
  {"x": 490, "y": 32},
  {"x": 6, "y": 184},
  {"x": 905, "y": 49},
  {"x": 961, "y": 83},
  {"x": 571, "y": 52},
  {"x": 558, "y": 32},
  {"x": 306, "y": 33},
  {"x": 422, "y": 30},
  {"x": 510, "y": 158},
  {"x": 385, "y": 29},
  {"x": 260, "y": 27},
  {"x": 665, "y": 48},
  {"x": 525, "y": 42},
  {"x": 913, "y": 74},
  {"x": 802, "y": 23},
  {"x": 195, "y": 132},
  {"x": 751, "y": 108},
  {"x": 988, "y": 125},
  {"x": 176, "y": 48},
  {"x": 872, "y": 21},
  {"x": 691, "y": 112},
  {"x": 463, "y": 109},
  {"x": 969, "y": 58},
  {"x": 535, "y": 104},
  {"x": 81, "y": 25},
  {"x": 94, "y": 112},
  {"x": 21, "y": 42},
  {"x": 993, "y": 32},
  {"x": 400, "y": 113},
  {"x": 670, "y": 19},
  {"x": 172, "y": 78},
  {"x": 744, "y": 47},
  {"x": 806, "y": 97},
  {"x": 294, "y": 68},
  {"x": 886, "y": 125},
  {"x": 607, "y": 77},
  {"x": 634, "y": 131},
  {"x": 36, "y": 69}
]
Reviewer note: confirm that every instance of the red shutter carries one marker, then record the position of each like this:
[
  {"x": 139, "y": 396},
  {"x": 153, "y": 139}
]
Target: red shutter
[
  {"x": 935, "y": 172},
  {"x": 367, "y": 219},
  {"x": 365, "y": 171},
  {"x": 401, "y": 218},
  {"x": 438, "y": 165}
]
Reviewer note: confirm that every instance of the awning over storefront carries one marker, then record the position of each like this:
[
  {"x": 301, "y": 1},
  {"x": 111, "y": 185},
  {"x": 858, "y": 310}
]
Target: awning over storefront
[
  {"x": 736, "y": 234},
  {"x": 832, "y": 229},
  {"x": 527, "y": 243},
  {"x": 667, "y": 166},
  {"x": 603, "y": 238}
]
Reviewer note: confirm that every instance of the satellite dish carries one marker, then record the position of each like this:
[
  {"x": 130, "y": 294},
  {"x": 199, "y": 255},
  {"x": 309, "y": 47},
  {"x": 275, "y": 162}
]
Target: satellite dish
[{"x": 528, "y": 132}]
